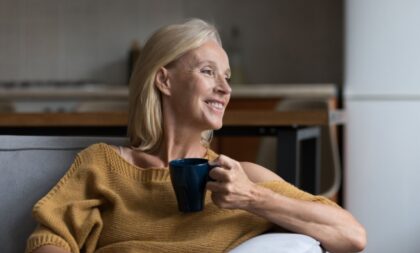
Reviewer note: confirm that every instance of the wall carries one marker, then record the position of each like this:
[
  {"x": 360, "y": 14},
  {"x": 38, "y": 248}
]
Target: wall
[
  {"x": 77, "y": 39},
  {"x": 282, "y": 41},
  {"x": 382, "y": 99}
]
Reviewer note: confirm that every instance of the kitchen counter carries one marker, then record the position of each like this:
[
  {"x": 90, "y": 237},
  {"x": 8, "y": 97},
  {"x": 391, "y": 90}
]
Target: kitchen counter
[
  {"x": 91, "y": 97},
  {"x": 232, "y": 118},
  {"x": 114, "y": 92},
  {"x": 284, "y": 91}
]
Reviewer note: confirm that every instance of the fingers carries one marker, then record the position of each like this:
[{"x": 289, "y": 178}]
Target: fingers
[
  {"x": 215, "y": 186},
  {"x": 220, "y": 194},
  {"x": 220, "y": 171},
  {"x": 220, "y": 187},
  {"x": 228, "y": 195},
  {"x": 221, "y": 201},
  {"x": 226, "y": 170},
  {"x": 232, "y": 187},
  {"x": 219, "y": 174},
  {"x": 225, "y": 162}
]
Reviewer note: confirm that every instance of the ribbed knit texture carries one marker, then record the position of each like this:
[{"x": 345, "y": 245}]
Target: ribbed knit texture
[{"x": 105, "y": 204}]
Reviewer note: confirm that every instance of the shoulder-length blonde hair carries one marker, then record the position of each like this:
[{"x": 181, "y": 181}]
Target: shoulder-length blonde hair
[{"x": 163, "y": 47}]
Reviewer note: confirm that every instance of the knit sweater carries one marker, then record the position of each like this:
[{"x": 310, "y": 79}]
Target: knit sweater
[{"x": 105, "y": 204}]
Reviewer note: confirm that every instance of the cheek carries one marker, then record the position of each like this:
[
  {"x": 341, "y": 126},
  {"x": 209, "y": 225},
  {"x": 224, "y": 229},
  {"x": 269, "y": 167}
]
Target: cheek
[
  {"x": 191, "y": 89},
  {"x": 185, "y": 98},
  {"x": 196, "y": 87}
]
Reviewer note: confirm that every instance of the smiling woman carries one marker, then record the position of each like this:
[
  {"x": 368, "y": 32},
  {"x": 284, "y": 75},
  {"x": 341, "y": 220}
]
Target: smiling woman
[
  {"x": 164, "y": 48},
  {"x": 178, "y": 95}
]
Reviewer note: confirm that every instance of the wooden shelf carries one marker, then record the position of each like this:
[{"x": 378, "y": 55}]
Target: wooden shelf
[{"x": 232, "y": 118}]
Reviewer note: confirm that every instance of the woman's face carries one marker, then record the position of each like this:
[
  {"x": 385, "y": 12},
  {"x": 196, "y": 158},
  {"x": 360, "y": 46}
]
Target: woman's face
[{"x": 199, "y": 88}]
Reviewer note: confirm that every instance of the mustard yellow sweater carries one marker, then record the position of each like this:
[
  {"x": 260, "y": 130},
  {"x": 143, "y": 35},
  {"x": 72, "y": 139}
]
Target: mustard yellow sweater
[{"x": 105, "y": 204}]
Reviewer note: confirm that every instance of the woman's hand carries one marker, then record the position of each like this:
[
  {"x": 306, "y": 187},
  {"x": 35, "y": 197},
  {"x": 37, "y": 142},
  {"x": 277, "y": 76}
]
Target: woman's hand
[
  {"x": 232, "y": 188},
  {"x": 235, "y": 188}
]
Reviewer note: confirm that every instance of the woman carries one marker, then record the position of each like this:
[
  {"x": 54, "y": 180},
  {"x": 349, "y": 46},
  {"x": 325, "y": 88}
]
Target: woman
[{"x": 120, "y": 199}]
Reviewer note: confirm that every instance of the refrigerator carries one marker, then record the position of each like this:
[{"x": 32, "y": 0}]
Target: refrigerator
[{"x": 382, "y": 134}]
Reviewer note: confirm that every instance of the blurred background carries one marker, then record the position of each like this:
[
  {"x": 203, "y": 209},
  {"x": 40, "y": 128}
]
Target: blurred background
[{"x": 272, "y": 41}]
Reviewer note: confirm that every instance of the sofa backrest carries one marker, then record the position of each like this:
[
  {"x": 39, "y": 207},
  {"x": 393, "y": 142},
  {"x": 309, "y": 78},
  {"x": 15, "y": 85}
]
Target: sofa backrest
[{"x": 29, "y": 167}]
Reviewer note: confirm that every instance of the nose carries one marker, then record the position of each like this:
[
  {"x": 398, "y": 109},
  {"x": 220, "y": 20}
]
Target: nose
[{"x": 223, "y": 87}]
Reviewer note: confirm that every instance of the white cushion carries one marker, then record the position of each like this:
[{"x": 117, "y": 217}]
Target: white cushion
[{"x": 279, "y": 243}]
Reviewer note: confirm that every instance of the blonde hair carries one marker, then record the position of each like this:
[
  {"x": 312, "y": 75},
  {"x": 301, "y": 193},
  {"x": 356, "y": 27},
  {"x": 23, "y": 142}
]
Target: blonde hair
[{"x": 165, "y": 46}]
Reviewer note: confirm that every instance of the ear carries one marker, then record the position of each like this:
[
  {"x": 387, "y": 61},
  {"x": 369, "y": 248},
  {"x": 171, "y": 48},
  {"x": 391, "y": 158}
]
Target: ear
[{"x": 162, "y": 81}]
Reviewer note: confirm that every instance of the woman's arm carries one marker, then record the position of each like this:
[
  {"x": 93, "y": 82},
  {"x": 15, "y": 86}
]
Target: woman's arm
[
  {"x": 69, "y": 215},
  {"x": 49, "y": 249},
  {"x": 334, "y": 227},
  {"x": 235, "y": 187}
]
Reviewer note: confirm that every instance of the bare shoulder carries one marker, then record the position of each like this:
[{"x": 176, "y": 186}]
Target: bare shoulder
[{"x": 258, "y": 174}]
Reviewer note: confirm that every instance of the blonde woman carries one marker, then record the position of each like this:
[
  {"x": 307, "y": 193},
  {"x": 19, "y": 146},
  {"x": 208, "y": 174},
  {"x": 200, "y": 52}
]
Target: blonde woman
[{"x": 120, "y": 199}]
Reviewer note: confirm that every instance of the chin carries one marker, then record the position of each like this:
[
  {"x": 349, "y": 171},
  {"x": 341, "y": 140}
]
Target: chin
[
  {"x": 215, "y": 125},
  {"x": 213, "y": 122}
]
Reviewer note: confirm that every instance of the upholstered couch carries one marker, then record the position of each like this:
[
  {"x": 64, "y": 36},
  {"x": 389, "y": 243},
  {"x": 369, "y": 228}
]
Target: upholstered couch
[{"x": 31, "y": 165}]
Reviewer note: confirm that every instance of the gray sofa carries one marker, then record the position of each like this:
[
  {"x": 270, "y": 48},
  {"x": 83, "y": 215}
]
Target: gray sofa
[{"x": 31, "y": 165}]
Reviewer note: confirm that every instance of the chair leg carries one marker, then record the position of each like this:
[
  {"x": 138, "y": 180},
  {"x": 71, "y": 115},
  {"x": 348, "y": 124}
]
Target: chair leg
[
  {"x": 287, "y": 150},
  {"x": 298, "y": 157},
  {"x": 310, "y": 159}
]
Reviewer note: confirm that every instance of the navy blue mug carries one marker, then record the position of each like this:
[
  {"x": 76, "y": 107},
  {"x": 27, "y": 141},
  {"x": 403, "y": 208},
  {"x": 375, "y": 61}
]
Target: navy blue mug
[{"x": 189, "y": 177}]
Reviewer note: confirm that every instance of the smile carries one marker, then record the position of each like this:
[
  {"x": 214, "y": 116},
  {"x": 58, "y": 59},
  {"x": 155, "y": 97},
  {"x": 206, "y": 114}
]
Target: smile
[{"x": 215, "y": 104}]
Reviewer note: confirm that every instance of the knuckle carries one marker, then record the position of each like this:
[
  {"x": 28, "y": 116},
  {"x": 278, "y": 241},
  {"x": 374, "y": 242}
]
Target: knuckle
[
  {"x": 228, "y": 199},
  {"x": 237, "y": 164},
  {"x": 229, "y": 177},
  {"x": 229, "y": 188}
]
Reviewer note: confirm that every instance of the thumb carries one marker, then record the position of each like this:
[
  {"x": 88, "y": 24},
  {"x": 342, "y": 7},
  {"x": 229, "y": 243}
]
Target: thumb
[{"x": 215, "y": 162}]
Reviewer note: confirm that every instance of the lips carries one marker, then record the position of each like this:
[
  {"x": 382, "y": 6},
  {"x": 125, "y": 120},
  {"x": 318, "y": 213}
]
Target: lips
[{"x": 216, "y": 104}]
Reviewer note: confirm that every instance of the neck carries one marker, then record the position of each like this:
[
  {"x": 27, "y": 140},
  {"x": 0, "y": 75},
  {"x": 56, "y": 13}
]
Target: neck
[
  {"x": 180, "y": 144},
  {"x": 180, "y": 138}
]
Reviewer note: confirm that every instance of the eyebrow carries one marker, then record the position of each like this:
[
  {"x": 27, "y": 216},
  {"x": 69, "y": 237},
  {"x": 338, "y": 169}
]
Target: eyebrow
[{"x": 227, "y": 71}]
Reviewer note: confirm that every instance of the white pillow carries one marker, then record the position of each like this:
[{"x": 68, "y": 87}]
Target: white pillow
[{"x": 279, "y": 243}]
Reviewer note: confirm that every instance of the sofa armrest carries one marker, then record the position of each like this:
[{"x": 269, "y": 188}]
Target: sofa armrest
[{"x": 279, "y": 242}]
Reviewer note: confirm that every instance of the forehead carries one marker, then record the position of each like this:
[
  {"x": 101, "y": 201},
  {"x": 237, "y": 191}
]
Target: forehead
[{"x": 210, "y": 51}]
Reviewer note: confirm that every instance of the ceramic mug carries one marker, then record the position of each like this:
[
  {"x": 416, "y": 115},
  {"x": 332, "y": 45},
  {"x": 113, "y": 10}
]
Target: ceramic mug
[{"x": 189, "y": 177}]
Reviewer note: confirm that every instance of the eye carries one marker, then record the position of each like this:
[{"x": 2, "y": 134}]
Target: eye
[
  {"x": 228, "y": 79},
  {"x": 207, "y": 71}
]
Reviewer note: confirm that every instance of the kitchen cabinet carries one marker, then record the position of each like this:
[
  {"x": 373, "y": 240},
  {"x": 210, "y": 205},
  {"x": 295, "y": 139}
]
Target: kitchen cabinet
[{"x": 245, "y": 98}]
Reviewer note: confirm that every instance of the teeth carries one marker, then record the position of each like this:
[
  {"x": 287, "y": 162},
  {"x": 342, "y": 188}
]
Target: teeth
[{"x": 216, "y": 105}]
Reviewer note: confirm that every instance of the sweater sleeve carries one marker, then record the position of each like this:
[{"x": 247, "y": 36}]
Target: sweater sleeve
[
  {"x": 68, "y": 216},
  {"x": 289, "y": 190}
]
